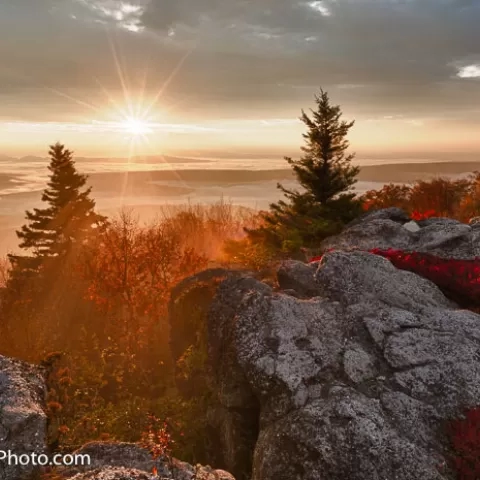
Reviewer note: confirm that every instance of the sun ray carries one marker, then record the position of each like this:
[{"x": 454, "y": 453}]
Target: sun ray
[
  {"x": 120, "y": 73},
  {"x": 109, "y": 97},
  {"x": 170, "y": 78},
  {"x": 142, "y": 91},
  {"x": 73, "y": 99}
]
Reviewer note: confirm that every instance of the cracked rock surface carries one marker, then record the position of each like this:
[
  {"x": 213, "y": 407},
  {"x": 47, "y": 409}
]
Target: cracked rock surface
[
  {"x": 23, "y": 422},
  {"x": 354, "y": 377},
  {"x": 389, "y": 228}
]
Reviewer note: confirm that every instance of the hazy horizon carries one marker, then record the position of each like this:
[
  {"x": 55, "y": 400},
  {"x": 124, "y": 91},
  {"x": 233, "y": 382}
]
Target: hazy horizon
[{"x": 362, "y": 158}]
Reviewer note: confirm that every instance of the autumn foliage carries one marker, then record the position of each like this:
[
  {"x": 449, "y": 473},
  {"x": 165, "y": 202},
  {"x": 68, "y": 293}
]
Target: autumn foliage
[
  {"x": 464, "y": 435},
  {"x": 98, "y": 321},
  {"x": 416, "y": 215},
  {"x": 459, "y": 199}
]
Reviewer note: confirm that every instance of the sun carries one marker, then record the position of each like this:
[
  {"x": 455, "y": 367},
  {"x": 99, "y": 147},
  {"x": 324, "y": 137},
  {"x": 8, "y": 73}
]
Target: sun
[{"x": 136, "y": 127}]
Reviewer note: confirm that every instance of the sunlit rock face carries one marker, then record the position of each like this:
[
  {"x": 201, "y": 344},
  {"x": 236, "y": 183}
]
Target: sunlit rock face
[
  {"x": 351, "y": 366},
  {"x": 23, "y": 422}
]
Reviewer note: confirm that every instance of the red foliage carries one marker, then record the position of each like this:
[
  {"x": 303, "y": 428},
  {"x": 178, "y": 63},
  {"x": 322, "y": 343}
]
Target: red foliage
[
  {"x": 416, "y": 215},
  {"x": 157, "y": 438},
  {"x": 367, "y": 205},
  {"x": 465, "y": 439}
]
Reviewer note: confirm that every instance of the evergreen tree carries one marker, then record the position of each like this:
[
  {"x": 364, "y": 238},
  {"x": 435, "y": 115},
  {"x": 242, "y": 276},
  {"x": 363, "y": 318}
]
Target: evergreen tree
[
  {"x": 325, "y": 171},
  {"x": 68, "y": 219}
]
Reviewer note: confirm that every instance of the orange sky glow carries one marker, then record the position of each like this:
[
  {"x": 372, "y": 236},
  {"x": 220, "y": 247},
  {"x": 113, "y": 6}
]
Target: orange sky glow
[{"x": 116, "y": 78}]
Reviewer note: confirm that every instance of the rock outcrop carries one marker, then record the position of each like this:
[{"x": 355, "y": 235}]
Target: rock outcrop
[
  {"x": 351, "y": 369},
  {"x": 23, "y": 423},
  {"x": 348, "y": 369},
  {"x": 384, "y": 229}
]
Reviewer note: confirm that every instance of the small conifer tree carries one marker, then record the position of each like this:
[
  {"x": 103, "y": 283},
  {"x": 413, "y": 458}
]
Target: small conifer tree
[
  {"x": 68, "y": 219},
  {"x": 326, "y": 175}
]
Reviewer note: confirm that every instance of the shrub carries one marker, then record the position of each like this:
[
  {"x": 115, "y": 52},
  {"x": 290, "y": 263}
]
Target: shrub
[
  {"x": 464, "y": 436},
  {"x": 390, "y": 195},
  {"x": 440, "y": 197},
  {"x": 416, "y": 215},
  {"x": 106, "y": 307}
]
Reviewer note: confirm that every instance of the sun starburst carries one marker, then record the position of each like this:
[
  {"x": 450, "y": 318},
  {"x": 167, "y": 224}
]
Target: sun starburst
[{"x": 136, "y": 127}]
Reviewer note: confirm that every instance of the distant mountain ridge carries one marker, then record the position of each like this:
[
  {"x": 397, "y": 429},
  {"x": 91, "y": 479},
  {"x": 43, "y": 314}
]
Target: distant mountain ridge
[{"x": 409, "y": 172}]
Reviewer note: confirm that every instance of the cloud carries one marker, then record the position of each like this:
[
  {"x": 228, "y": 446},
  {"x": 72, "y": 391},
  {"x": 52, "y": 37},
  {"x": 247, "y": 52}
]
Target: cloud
[
  {"x": 398, "y": 119},
  {"x": 246, "y": 57},
  {"x": 469, "y": 71},
  {"x": 120, "y": 13},
  {"x": 320, "y": 7}
]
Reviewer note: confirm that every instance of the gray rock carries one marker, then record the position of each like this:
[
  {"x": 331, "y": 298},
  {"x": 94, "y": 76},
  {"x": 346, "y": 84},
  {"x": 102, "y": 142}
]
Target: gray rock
[
  {"x": 23, "y": 422},
  {"x": 354, "y": 383},
  {"x": 358, "y": 364},
  {"x": 438, "y": 221},
  {"x": 122, "y": 473},
  {"x": 353, "y": 277},
  {"x": 395, "y": 214},
  {"x": 115, "y": 473},
  {"x": 377, "y": 233},
  {"x": 412, "y": 226},
  {"x": 442, "y": 237},
  {"x": 299, "y": 277},
  {"x": 129, "y": 461}
]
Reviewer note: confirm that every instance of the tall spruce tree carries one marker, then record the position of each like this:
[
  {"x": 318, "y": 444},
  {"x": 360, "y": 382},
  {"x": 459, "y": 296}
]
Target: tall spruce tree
[
  {"x": 325, "y": 171},
  {"x": 68, "y": 219}
]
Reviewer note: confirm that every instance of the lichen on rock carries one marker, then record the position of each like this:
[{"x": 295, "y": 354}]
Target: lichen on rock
[
  {"x": 352, "y": 366},
  {"x": 23, "y": 422}
]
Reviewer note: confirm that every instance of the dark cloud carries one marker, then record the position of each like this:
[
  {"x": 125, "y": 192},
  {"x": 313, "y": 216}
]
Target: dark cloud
[{"x": 282, "y": 15}]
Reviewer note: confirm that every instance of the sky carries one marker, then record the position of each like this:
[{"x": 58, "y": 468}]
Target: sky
[{"x": 213, "y": 77}]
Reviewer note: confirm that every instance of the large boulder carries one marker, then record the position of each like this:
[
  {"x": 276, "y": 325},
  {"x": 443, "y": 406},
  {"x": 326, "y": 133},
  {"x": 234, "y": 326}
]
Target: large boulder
[
  {"x": 355, "y": 382},
  {"x": 393, "y": 213},
  {"x": 23, "y": 422},
  {"x": 383, "y": 229}
]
